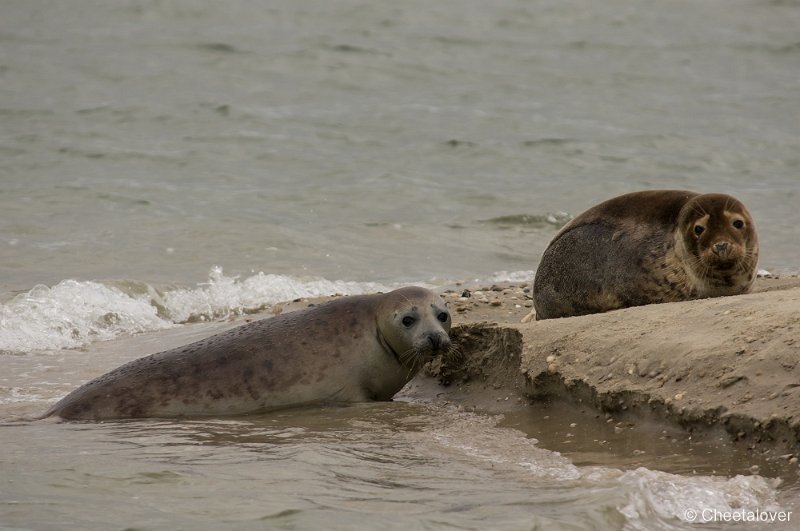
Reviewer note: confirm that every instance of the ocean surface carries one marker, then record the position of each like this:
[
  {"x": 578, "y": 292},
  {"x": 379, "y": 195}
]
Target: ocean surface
[{"x": 165, "y": 165}]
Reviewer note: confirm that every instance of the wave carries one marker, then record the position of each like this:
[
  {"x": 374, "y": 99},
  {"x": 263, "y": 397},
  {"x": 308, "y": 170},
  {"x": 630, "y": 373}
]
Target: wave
[
  {"x": 655, "y": 496},
  {"x": 512, "y": 276},
  {"x": 225, "y": 296},
  {"x": 73, "y": 314},
  {"x": 549, "y": 220},
  {"x": 647, "y": 499}
]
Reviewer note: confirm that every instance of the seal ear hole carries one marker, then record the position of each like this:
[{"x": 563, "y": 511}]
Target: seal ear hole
[
  {"x": 443, "y": 317},
  {"x": 408, "y": 321},
  {"x": 738, "y": 223},
  {"x": 699, "y": 229}
]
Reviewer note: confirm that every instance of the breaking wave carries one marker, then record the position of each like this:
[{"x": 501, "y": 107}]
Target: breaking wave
[{"x": 73, "y": 314}]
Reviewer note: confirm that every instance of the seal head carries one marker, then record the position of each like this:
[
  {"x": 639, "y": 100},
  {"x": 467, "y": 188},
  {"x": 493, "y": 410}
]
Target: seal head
[
  {"x": 413, "y": 326},
  {"x": 718, "y": 243}
]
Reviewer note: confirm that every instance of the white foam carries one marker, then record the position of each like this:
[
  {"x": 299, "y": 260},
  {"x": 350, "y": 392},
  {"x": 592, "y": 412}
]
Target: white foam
[
  {"x": 652, "y": 495},
  {"x": 222, "y": 296},
  {"x": 10, "y": 395},
  {"x": 512, "y": 276},
  {"x": 644, "y": 497},
  {"x": 478, "y": 437},
  {"x": 73, "y": 314}
]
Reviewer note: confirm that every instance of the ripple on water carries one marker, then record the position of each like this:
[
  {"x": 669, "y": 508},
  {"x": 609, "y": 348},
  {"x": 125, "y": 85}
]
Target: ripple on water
[{"x": 392, "y": 465}]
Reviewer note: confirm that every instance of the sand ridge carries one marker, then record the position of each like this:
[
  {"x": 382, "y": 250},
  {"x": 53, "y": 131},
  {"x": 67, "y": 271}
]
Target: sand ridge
[{"x": 727, "y": 363}]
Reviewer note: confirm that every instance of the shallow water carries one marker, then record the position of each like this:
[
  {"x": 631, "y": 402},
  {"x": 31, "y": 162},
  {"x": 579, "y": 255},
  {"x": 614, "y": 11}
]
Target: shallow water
[
  {"x": 404, "y": 464},
  {"x": 164, "y": 163},
  {"x": 392, "y": 465}
]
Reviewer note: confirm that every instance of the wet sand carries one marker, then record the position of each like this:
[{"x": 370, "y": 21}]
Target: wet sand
[{"x": 718, "y": 372}]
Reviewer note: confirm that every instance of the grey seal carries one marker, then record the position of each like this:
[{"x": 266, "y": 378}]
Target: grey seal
[
  {"x": 647, "y": 247},
  {"x": 357, "y": 348}
]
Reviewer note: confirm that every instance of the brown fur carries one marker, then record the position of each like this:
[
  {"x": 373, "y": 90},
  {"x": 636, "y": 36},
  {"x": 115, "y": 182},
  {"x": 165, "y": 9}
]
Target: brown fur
[{"x": 641, "y": 248}]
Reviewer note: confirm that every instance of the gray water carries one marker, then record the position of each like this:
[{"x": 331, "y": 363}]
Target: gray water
[
  {"x": 169, "y": 162},
  {"x": 371, "y": 140},
  {"x": 397, "y": 465}
]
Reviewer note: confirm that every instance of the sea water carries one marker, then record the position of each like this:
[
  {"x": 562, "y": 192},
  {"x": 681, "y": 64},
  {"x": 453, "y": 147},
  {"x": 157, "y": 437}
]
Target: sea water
[{"x": 164, "y": 163}]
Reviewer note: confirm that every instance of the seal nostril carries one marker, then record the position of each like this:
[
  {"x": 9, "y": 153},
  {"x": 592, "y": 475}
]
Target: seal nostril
[
  {"x": 720, "y": 247},
  {"x": 435, "y": 342},
  {"x": 438, "y": 342}
]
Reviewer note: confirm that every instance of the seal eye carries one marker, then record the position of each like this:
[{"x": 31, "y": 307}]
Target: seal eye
[
  {"x": 698, "y": 229},
  {"x": 408, "y": 321},
  {"x": 443, "y": 317},
  {"x": 739, "y": 224}
]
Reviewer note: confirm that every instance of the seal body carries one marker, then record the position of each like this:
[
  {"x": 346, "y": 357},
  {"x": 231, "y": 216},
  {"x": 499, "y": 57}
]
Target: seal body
[
  {"x": 647, "y": 247},
  {"x": 357, "y": 348}
]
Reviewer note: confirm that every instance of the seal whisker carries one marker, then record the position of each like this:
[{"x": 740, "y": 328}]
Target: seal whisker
[
  {"x": 747, "y": 263},
  {"x": 410, "y": 355},
  {"x": 410, "y": 359},
  {"x": 699, "y": 210},
  {"x": 454, "y": 353}
]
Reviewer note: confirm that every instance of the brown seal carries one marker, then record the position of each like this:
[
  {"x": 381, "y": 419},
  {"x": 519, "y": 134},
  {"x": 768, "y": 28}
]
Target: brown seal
[
  {"x": 647, "y": 247},
  {"x": 352, "y": 349}
]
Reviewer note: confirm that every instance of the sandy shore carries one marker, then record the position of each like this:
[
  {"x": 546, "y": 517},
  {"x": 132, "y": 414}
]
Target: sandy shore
[{"x": 728, "y": 364}]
